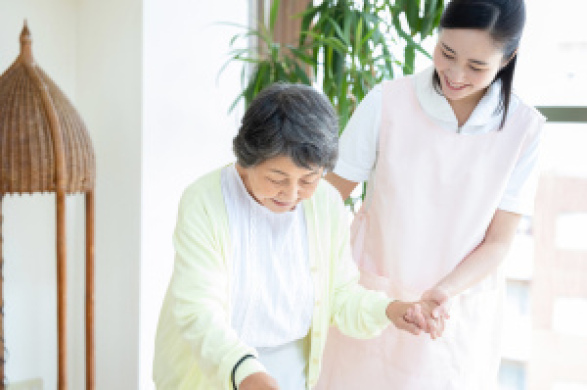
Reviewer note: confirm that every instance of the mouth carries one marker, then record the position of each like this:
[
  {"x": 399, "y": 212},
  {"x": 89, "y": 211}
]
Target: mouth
[
  {"x": 283, "y": 204},
  {"x": 454, "y": 87}
]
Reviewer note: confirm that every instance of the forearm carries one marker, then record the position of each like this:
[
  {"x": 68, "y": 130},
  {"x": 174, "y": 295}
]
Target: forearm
[
  {"x": 475, "y": 267},
  {"x": 360, "y": 313},
  {"x": 484, "y": 259},
  {"x": 430, "y": 313},
  {"x": 345, "y": 187}
]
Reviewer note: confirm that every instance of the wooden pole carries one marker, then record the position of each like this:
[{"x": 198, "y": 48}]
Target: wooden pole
[
  {"x": 60, "y": 188},
  {"x": 61, "y": 292},
  {"x": 90, "y": 336},
  {"x": 2, "y": 384}
]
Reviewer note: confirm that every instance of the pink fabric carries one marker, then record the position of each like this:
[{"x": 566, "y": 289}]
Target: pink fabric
[{"x": 436, "y": 192}]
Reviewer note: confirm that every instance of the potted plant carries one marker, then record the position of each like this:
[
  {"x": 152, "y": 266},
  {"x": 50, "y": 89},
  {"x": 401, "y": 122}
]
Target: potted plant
[{"x": 344, "y": 47}]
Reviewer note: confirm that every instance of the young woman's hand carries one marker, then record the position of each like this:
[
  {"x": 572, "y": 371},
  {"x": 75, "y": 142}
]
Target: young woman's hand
[
  {"x": 439, "y": 299},
  {"x": 259, "y": 381}
]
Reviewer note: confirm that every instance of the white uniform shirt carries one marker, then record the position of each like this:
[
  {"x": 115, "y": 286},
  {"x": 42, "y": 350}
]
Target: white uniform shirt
[{"x": 358, "y": 148}]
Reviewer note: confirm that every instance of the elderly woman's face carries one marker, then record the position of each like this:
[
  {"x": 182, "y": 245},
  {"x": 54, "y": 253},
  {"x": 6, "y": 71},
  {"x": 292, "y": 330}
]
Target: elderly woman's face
[{"x": 279, "y": 184}]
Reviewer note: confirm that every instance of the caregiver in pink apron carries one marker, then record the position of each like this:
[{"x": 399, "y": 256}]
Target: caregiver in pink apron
[{"x": 450, "y": 159}]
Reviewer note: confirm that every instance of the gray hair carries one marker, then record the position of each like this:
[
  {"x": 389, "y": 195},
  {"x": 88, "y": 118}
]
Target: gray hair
[{"x": 291, "y": 120}]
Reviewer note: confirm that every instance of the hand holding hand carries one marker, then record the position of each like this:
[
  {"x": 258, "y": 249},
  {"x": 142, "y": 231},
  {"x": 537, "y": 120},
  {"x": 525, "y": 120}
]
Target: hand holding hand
[
  {"x": 430, "y": 312},
  {"x": 259, "y": 381},
  {"x": 396, "y": 312}
]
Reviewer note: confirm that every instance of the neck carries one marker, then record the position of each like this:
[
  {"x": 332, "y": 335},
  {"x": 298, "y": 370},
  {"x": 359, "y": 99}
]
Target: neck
[{"x": 463, "y": 108}]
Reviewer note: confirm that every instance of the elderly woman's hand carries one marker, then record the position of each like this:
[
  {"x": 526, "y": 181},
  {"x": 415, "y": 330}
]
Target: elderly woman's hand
[
  {"x": 259, "y": 381},
  {"x": 397, "y": 312}
]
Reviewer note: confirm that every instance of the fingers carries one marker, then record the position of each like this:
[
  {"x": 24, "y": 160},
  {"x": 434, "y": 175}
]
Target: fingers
[
  {"x": 441, "y": 312},
  {"x": 414, "y": 315},
  {"x": 436, "y": 327},
  {"x": 418, "y": 317},
  {"x": 408, "y": 327},
  {"x": 440, "y": 299},
  {"x": 428, "y": 317}
]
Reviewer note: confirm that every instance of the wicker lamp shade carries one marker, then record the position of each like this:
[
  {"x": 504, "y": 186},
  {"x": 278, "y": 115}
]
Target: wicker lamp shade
[
  {"x": 45, "y": 147},
  {"x": 28, "y": 162}
]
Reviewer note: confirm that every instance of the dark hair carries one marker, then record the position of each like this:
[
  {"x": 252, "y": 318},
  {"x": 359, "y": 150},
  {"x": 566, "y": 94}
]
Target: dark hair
[
  {"x": 504, "y": 20},
  {"x": 288, "y": 119}
]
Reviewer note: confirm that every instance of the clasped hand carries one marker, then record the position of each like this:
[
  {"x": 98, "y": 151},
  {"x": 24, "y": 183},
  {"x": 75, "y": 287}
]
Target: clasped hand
[{"x": 426, "y": 315}]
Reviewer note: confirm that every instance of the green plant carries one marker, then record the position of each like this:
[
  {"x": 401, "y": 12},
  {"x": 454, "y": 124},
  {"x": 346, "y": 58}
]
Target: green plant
[
  {"x": 345, "y": 47},
  {"x": 352, "y": 44}
]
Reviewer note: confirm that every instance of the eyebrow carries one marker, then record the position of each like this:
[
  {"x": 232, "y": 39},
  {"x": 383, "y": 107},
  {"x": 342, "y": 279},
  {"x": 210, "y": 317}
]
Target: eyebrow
[
  {"x": 285, "y": 174},
  {"x": 454, "y": 52}
]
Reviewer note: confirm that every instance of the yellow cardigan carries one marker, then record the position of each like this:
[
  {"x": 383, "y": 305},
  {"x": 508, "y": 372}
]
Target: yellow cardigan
[{"x": 195, "y": 346}]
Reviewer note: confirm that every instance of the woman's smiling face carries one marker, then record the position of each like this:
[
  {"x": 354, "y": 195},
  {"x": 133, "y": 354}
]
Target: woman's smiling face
[
  {"x": 466, "y": 61},
  {"x": 279, "y": 184}
]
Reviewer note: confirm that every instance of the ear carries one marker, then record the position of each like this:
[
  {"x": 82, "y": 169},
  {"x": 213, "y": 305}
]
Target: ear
[{"x": 505, "y": 62}]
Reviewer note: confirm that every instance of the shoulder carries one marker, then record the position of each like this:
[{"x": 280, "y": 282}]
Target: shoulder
[
  {"x": 328, "y": 200},
  {"x": 375, "y": 95},
  {"x": 371, "y": 103},
  {"x": 402, "y": 82},
  {"x": 204, "y": 190},
  {"x": 401, "y": 90},
  {"x": 528, "y": 118},
  {"x": 529, "y": 112}
]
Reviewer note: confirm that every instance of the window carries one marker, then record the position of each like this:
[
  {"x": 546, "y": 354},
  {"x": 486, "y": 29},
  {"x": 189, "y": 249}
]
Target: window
[{"x": 512, "y": 375}]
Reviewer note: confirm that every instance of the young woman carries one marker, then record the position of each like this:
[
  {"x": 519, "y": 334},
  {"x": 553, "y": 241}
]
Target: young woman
[
  {"x": 450, "y": 158},
  {"x": 263, "y": 265}
]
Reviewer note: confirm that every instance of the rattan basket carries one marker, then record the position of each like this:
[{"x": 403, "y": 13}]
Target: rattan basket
[{"x": 28, "y": 101}]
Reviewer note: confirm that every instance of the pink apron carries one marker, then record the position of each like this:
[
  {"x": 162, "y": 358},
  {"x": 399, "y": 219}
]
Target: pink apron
[{"x": 434, "y": 195}]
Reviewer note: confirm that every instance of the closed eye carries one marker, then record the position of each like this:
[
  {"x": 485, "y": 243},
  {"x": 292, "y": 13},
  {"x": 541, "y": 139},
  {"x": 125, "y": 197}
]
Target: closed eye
[
  {"x": 278, "y": 182},
  {"x": 446, "y": 55},
  {"x": 308, "y": 182}
]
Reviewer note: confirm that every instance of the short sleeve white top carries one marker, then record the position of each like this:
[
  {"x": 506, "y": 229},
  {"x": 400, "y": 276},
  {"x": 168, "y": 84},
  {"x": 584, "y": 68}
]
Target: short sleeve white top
[{"x": 358, "y": 148}]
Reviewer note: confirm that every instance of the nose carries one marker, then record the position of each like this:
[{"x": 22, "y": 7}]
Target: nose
[
  {"x": 456, "y": 73},
  {"x": 289, "y": 193}
]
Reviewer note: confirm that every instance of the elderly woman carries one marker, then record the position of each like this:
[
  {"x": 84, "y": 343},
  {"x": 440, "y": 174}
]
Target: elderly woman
[{"x": 262, "y": 264}]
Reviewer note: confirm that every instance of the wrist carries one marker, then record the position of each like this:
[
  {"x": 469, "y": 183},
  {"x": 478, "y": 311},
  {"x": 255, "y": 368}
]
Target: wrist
[
  {"x": 248, "y": 365},
  {"x": 444, "y": 289},
  {"x": 391, "y": 309}
]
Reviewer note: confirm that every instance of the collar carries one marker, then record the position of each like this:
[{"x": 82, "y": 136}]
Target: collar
[{"x": 484, "y": 117}]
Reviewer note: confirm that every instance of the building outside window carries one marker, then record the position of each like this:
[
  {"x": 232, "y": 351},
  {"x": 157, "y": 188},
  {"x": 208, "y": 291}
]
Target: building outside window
[{"x": 545, "y": 345}]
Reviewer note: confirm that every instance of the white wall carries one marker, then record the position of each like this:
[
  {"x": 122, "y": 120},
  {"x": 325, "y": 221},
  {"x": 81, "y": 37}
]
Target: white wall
[
  {"x": 109, "y": 74},
  {"x": 187, "y": 131},
  {"x": 142, "y": 74}
]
